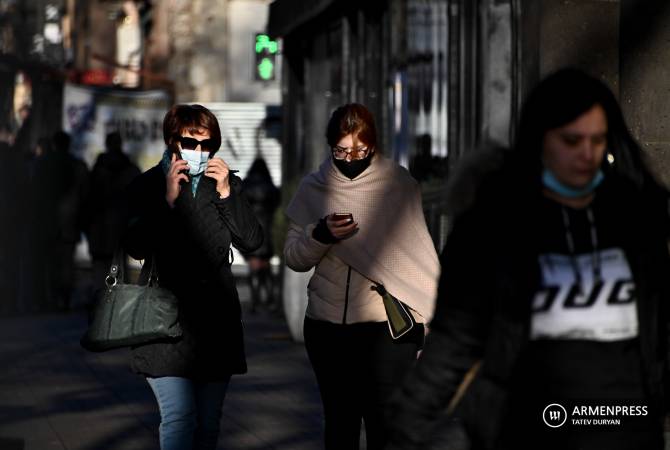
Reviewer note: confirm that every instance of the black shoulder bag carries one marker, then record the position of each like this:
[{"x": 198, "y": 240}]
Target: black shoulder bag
[{"x": 128, "y": 314}]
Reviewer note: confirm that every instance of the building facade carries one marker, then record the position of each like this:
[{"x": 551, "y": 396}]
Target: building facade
[
  {"x": 206, "y": 47},
  {"x": 448, "y": 77},
  {"x": 34, "y": 54},
  {"x": 414, "y": 64},
  {"x": 197, "y": 51}
]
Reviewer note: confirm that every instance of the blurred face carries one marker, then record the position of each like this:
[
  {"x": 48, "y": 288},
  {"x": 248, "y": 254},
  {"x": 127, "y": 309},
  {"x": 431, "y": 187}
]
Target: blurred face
[
  {"x": 575, "y": 151},
  {"x": 6, "y": 136},
  {"x": 349, "y": 148}
]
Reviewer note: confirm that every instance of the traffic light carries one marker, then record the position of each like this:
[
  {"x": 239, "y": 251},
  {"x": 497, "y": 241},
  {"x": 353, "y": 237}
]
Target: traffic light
[{"x": 265, "y": 50}]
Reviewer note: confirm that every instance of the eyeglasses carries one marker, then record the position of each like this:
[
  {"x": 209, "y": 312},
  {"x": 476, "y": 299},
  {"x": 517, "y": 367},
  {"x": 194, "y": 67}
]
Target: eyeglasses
[
  {"x": 357, "y": 153},
  {"x": 188, "y": 143}
]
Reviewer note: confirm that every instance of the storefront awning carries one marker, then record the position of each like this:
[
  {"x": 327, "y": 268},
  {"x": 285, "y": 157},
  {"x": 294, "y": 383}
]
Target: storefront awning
[{"x": 287, "y": 15}]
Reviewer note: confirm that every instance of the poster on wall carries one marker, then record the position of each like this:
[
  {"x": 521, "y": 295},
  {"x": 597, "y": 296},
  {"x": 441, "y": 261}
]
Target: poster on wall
[{"x": 89, "y": 114}]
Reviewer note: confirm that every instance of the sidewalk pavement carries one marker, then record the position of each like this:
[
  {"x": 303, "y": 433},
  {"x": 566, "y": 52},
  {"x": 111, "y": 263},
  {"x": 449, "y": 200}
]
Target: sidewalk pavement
[{"x": 54, "y": 395}]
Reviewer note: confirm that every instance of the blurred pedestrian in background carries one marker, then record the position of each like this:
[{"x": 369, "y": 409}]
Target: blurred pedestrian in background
[
  {"x": 106, "y": 216},
  {"x": 24, "y": 129},
  {"x": 263, "y": 196},
  {"x": 41, "y": 148},
  {"x": 356, "y": 361},
  {"x": 32, "y": 277},
  {"x": 12, "y": 220},
  {"x": 185, "y": 213},
  {"x": 555, "y": 286},
  {"x": 18, "y": 163},
  {"x": 60, "y": 190}
]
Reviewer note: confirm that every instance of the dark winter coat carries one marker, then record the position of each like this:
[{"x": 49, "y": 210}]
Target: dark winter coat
[
  {"x": 13, "y": 195},
  {"x": 263, "y": 196},
  {"x": 191, "y": 244},
  {"x": 490, "y": 272},
  {"x": 61, "y": 187},
  {"x": 111, "y": 174}
]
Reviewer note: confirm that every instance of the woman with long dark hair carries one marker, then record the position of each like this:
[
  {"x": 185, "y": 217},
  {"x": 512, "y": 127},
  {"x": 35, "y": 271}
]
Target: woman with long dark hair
[{"x": 553, "y": 293}]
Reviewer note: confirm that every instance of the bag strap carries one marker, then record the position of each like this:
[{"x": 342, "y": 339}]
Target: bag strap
[
  {"x": 463, "y": 387},
  {"x": 376, "y": 285},
  {"x": 149, "y": 272},
  {"x": 117, "y": 271}
]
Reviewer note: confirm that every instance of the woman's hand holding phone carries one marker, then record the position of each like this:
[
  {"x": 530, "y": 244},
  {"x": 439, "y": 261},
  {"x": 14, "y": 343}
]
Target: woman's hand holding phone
[
  {"x": 173, "y": 179},
  {"x": 341, "y": 225}
]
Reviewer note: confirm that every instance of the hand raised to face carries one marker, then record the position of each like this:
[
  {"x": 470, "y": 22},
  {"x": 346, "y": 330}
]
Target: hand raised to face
[
  {"x": 176, "y": 174},
  {"x": 218, "y": 170}
]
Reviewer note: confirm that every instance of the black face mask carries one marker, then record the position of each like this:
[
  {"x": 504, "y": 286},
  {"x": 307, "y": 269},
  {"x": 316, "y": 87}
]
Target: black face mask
[{"x": 354, "y": 168}]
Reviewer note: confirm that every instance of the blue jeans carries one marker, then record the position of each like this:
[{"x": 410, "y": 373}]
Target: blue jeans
[{"x": 190, "y": 412}]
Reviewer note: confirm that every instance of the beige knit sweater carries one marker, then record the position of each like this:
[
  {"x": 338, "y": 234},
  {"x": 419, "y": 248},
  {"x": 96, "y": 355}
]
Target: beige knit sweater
[{"x": 392, "y": 246}]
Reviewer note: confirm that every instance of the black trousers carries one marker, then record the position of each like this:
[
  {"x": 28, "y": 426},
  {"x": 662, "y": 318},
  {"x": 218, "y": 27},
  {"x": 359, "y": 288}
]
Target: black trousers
[{"x": 357, "y": 368}]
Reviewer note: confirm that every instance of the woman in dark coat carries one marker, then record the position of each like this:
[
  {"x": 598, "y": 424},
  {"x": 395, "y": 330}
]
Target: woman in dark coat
[
  {"x": 554, "y": 293},
  {"x": 185, "y": 213}
]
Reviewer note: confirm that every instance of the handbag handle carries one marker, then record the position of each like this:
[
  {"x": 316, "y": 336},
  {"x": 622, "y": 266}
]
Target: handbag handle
[
  {"x": 149, "y": 272},
  {"x": 117, "y": 271}
]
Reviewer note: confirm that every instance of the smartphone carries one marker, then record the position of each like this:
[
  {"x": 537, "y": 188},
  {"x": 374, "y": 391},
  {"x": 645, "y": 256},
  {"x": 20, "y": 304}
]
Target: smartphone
[
  {"x": 177, "y": 153},
  {"x": 342, "y": 216}
]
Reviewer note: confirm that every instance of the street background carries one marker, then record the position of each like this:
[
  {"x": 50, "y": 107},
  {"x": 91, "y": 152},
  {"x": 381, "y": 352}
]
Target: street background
[
  {"x": 444, "y": 79},
  {"x": 54, "y": 395}
]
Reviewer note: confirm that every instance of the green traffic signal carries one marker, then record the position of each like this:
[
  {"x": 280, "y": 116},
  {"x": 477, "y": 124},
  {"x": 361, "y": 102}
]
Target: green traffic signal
[
  {"x": 265, "y": 50},
  {"x": 265, "y": 69},
  {"x": 263, "y": 42}
]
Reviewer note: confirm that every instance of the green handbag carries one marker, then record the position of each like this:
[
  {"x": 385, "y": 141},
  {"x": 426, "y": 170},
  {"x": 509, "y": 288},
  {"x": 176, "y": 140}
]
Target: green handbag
[
  {"x": 400, "y": 320},
  {"x": 128, "y": 314}
]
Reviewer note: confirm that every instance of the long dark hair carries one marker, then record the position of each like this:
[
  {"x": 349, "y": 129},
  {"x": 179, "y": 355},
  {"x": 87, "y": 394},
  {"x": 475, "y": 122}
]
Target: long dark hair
[{"x": 561, "y": 98}]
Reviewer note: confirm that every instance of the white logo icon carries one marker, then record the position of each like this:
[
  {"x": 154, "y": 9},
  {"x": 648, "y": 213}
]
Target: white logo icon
[{"x": 554, "y": 415}]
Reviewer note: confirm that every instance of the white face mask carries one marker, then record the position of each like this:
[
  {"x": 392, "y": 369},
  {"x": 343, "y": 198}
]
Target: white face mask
[{"x": 197, "y": 161}]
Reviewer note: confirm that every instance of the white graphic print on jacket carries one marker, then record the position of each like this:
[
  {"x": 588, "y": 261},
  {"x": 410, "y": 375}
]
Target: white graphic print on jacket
[{"x": 601, "y": 311}]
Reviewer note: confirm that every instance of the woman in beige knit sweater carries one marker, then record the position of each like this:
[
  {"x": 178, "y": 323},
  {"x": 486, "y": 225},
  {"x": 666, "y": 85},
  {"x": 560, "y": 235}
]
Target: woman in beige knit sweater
[{"x": 358, "y": 220}]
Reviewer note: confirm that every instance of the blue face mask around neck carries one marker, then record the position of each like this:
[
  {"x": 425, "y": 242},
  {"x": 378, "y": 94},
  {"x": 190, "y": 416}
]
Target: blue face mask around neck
[
  {"x": 552, "y": 183},
  {"x": 197, "y": 161}
]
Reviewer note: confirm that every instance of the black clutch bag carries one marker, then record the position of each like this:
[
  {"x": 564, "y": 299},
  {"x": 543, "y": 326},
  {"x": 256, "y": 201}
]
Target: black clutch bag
[{"x": 127, "y": 314}]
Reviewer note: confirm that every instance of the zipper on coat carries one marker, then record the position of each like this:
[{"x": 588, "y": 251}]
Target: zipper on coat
[{"x": 346, "y": 298}]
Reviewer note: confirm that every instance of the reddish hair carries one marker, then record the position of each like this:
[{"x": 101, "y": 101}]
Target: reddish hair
[{"x": 352, "y": 118}]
